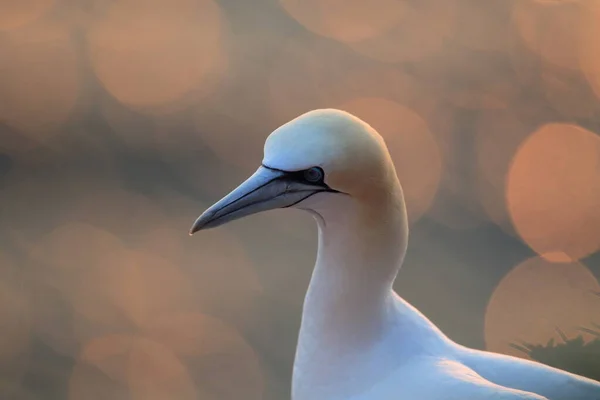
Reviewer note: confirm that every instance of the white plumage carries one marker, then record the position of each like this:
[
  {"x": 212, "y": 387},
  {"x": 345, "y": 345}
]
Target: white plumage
[{"x": 358, "y": 339}]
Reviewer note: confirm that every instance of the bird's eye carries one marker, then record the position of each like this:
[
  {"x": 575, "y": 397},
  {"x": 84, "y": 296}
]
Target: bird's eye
[{"x": 314, "y": 174}]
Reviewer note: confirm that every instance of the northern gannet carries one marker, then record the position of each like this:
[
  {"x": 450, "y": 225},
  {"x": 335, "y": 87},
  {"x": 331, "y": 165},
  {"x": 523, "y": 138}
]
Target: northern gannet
[{"x": 358, "y": 339}]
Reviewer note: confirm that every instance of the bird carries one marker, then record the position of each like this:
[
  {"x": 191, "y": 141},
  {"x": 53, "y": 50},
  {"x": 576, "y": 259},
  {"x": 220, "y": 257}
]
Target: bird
[{"x": 358, "y": 339}]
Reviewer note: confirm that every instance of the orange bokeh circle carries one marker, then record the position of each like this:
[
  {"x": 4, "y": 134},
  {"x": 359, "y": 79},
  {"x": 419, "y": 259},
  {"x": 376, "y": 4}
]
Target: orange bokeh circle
[
  {"x": 153, "y": 54},
  {"x": 551, "y": 29},
  {"x": 309, "y": 74},
  {"x": 553, "y": 191},
  {"x": 39, "y": 78},
  {"x": 15, "y": 14},
  {"x": 537, "y": 301},
  {"x": 130, "y": 366},
  {"x": 424, "y": 30}
]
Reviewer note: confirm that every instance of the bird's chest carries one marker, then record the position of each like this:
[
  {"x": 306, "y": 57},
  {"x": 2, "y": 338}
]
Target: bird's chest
[
  {"x": 332, "y": 371},
  {"x": 395, "y": 383}
]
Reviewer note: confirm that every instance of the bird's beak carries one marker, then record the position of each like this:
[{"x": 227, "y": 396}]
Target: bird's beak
[{"x": 266, "y": 189}]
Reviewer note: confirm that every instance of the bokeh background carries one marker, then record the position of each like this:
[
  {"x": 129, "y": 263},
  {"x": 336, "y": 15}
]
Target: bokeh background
[{"x": 121, "y": 120}]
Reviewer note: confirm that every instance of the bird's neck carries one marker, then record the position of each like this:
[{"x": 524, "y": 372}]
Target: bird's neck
[
  {"x": 350, "y": 302},
  {"x": 359, "y": 254}
]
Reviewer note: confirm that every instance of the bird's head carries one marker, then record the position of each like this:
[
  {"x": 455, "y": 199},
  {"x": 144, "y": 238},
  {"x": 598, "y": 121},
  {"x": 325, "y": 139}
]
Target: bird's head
[{"x": 308, "y": 163}]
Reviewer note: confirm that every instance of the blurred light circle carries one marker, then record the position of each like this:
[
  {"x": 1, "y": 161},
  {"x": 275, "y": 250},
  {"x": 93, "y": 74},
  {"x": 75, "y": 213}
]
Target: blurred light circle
[
  {"x": 346, "y": 20},
  {"x": 68, "y": 264},
  {"x": 427, "y": 25},
  {"x": 536, "y": 300},
  {"x": 39, "y": 78},
  {"x": 309, "y": 74},
  {"x": 124, "y": 292},
  {"x": 550, "y": 29},
  {"x": 156, "y": 373},
  {"x": 73, "y": 247},
  {"x": 194, "y": 334},
  {"x": 14, "y": 14},
  {"x": 109, "y": 355},
  {"x": 553, "y": 191},
  {"x": 217, "y": 265},
  {"x": 218, "y": 350},
  {"x": 120, "y": 366},
  {"x": 412, "y": 146},
  {"x": 152, "y": 54}
]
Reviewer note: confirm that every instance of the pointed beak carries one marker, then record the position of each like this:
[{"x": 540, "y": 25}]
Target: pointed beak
[{"x": 266, "y": 189}]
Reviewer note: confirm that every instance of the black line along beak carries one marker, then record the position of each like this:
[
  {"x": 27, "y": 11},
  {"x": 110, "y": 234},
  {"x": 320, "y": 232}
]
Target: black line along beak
[{"x": 267, "y": 189}]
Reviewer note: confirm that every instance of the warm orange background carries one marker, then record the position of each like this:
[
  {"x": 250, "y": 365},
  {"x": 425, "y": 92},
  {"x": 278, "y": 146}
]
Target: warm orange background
[{"x": 121, "y": 120}]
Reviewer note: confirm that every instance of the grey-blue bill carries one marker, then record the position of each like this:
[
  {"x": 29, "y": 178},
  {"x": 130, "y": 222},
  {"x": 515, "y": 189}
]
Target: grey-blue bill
[{"x": 266, "y": 189}]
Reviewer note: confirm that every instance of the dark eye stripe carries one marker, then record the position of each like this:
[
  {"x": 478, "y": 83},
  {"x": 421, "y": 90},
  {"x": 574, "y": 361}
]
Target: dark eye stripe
[{"x": 299, "y": 176}]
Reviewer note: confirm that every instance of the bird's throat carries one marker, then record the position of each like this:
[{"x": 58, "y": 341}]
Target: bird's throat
[{"x": 350, "y": 299}]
